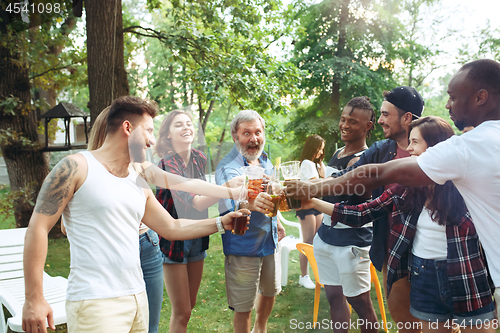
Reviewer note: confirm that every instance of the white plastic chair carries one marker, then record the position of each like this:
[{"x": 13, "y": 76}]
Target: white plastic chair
[
  {"x": 289, "y": 243},
  {"x": 12, "y": 283}
]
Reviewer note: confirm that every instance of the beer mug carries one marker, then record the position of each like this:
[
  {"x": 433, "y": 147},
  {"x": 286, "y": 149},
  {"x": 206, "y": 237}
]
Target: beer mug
[
  {"x": 291, "y": 171},
  {"x": 255, "y": 174}
]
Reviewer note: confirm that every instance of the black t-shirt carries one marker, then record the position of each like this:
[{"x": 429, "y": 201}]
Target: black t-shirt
[{"x": 345, "y": 236}]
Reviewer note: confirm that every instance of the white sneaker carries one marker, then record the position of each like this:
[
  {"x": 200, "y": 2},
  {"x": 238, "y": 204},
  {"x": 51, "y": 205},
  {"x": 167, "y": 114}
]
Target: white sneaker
[{"x": 305, "y": 281}]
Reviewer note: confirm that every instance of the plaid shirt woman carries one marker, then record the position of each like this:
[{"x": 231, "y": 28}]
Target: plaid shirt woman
[
  {"x": 178, "y": 203},
  {"x": 466, "y": 264}
]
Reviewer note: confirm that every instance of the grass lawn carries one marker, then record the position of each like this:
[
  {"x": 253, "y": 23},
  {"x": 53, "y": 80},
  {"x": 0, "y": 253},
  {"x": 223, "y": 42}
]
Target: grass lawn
[
  {"x": 9, "y": 222},
  {"x": 211, "y": 313}
]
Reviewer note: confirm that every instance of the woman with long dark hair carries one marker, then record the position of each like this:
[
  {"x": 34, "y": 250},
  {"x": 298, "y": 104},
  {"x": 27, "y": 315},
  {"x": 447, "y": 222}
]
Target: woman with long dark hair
[
  {"x": 311, "y": 167},
  {"x": 433, "y": 241}
]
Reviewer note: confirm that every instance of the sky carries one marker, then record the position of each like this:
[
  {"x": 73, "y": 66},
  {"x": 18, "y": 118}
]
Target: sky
[
  {"x": 474, "y": 13},
  {"x": 469, "y": 16}
]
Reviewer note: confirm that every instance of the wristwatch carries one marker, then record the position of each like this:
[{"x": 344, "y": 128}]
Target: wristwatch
[{"x": 218, "y": 222}]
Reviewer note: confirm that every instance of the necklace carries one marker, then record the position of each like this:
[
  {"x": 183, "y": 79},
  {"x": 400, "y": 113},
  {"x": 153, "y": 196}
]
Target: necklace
[{"x": 343, "y": 153}]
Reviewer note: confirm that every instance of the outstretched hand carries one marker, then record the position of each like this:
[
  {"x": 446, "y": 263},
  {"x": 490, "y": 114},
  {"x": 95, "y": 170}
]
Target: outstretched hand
[
  {"x": 227, "y": 220},
  {"x": 237, "y": 193},
  {"x": 281, "y": 232},
  {"x": 235, "y": 182},
  {"x": 262, "y": 203}
]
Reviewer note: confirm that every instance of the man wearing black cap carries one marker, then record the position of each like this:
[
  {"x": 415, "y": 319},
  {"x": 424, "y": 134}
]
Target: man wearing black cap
[{"x": 401, "y": 106}]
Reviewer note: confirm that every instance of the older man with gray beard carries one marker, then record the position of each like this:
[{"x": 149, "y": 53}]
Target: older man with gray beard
[{"x": 252, "y": 262}]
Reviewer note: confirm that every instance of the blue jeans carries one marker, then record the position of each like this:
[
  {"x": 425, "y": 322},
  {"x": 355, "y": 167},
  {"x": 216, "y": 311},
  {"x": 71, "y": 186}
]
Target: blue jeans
[{"x": 152, "y": 269}]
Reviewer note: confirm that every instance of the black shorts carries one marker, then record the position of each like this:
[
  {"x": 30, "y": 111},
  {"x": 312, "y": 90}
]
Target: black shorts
[{"x": 302, "y": 213}]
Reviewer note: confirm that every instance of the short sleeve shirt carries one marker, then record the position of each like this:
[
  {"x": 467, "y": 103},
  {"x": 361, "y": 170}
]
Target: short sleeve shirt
[
  {"x": 308, "y": 170},
  {"x": 261, "y": 238},
  {"x": 472, "y": 162}
]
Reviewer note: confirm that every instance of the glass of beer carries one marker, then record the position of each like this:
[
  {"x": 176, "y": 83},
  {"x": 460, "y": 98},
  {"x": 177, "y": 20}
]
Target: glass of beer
[
  {"x": 274, "y": 190},
  {"x": 240, "y": 223},
  {"x": 291, "y": 171},
  {"x": 293, "y": 203},
  {"x": 255, "y": 174},
  {"x": 283, "y": 202}
]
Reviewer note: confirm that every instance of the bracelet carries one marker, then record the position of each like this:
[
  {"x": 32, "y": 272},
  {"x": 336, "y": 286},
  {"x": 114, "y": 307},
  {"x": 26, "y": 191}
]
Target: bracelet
[{"x": 218, "y": 222}]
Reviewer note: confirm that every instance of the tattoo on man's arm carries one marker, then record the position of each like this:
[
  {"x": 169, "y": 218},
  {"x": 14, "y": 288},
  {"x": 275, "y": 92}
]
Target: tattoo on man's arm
[{"x": 56, "y": 187}]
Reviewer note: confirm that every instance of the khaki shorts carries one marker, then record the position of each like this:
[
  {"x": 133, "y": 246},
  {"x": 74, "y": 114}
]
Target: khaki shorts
[
  {"x": 118, "y": 315},
  {"x": 247, "y": 275},
  {"x": 346, "y": 266}
]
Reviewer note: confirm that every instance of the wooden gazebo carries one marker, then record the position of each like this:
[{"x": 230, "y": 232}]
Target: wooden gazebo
[{"x": 65, "y": 111}]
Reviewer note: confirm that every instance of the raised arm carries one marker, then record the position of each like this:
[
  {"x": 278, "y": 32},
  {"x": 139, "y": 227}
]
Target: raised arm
[
  {"x": 56, "y": 191},
  {"x": 357, "y": 215},
  {"x": 194, "y": 200},
  {"x": 158, "y": 219},
  {"x": 161, "y": 178},
  {"x": 321, "y": 205}
]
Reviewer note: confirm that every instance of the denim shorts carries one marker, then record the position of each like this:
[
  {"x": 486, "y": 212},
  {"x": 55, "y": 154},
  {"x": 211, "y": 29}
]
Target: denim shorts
[
  {"x": 303, "y": 212},
  {"x": 192, "y": 252},
  {"x": 431, "y": 298}
]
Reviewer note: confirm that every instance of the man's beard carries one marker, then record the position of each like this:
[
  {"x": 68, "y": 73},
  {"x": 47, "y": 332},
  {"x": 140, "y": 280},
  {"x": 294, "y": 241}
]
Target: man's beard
[
  {"x": 460, "y": 124},
  {"x": 246, "y": 155},
  {"x": 397, "y": 135}
]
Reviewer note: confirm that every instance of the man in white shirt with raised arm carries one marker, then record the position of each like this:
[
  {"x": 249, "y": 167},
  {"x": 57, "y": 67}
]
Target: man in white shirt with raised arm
[{"x": 103, "y": 204}]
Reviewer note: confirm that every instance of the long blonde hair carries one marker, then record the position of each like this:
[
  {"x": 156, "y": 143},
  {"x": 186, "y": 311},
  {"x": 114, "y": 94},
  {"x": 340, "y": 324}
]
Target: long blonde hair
[{"x": 98, "y": 131}]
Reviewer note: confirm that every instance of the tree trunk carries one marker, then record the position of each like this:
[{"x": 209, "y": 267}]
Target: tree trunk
[
  {"x": 201, "y": 114},
  {"x": 25, "y": 163},
  {"x": 105, "y": 56},
  {"x": 50, "y": 95},
  {"x": 221, "y": 141},
  {"x": 184, "y": 88},
  {"x": 206, "y": 115}
]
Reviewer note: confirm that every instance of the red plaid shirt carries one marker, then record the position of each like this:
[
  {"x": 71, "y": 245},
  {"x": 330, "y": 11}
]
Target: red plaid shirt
[
  {"x": 178, "y": 203},
  {"x": 469, "y": 280}
]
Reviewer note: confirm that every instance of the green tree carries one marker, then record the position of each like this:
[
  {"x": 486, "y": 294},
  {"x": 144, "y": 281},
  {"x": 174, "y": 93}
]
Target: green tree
[
  {"x": 347, "y": 49},
  {"x": 421, "y": 36},
  {"x": 484, "y": 43},
  {"x": 358, "y": 48},
  {"x": 214, "y": 52}
]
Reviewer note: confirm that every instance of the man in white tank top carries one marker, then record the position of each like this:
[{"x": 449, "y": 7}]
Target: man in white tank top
[{"x": 103, "y": 204}]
